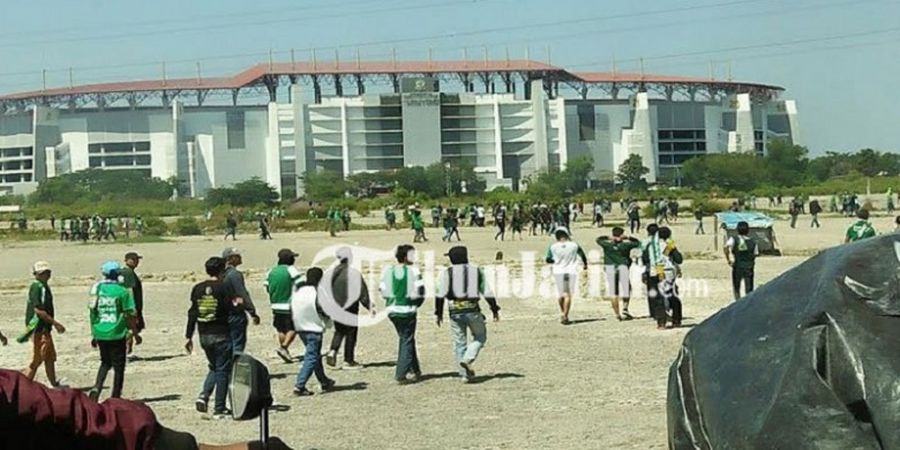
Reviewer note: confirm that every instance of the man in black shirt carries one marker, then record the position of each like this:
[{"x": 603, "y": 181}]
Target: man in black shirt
[{"x": 208, "y": 313}]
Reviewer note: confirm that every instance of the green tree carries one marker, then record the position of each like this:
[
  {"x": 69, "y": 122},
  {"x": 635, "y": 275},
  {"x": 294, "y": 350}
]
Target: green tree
[
  {"x": 95, "y": 185},
  {"x": 632, "y": 171},
  {"x": 246, "y": 193},
  {"x": 324, "y": 186},
  {"x": 733, "y": 171},
  {"x": 786, "y": 163}
]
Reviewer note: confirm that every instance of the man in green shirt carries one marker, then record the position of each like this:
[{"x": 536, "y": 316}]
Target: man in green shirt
[
  {"x": 860, "y": 230},
  {"x": 616, "y": 263},
  {"x": 280, "y": 283},
  {"x": 112, "y": 314},
  {"x": 40, "y": 323},
  {"x": 404, "y": 291}
]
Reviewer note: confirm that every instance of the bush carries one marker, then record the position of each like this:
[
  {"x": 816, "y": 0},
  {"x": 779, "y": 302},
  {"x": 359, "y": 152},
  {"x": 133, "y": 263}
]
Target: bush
[
  {"x": 154, "y": 226},
  {"x": 187, "y": 226}
]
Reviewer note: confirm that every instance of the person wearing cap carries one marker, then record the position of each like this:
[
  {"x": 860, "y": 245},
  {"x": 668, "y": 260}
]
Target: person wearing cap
[
  {"x": 281, "y": 281},
  {"x": 112, "y": 314},
  {"x": 242, "y": 304},
  {"x": 40, "y": 323},
  {"x": 616, "y": 262},
  {"x": 348, "y": 291},
  {"x": 860, "y": 230},
  {"x": 461, "y": 286},
  {"x": 208, "y": 315},
  {"x": 404, "y": 291},
  {"x": 132, "y": 282},
  {"x": 564, "y": 255}
]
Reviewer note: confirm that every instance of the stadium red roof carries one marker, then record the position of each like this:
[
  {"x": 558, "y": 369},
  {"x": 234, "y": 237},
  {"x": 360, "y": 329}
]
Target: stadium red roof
[{"x": 256, "y": 74}]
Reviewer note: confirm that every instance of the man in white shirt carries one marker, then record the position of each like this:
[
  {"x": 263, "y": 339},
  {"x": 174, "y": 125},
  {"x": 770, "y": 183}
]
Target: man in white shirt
[
  {"x": 310, "y": 322},
  {"x": 564, "y": 254}
]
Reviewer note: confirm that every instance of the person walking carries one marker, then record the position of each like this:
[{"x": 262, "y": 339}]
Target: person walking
[
  {"x": 634, "y": 217},
  {"x": 281, "y": 281},
  {"x": 669, "y": 270},
  {"x": 242, "y": 304},
  {"x": 208, "y": 315},
  {"x": 231, "y": 227},
  {"x": 404, "y": 291},
  {"x": 564, "y": 255},
  {"x": 500, "y": 222},
  {"x": 348, "y": 292},
  {"x": 310, "y": 323},
  {"x": 40, "y": 323},
  {"x": 814, "y": 210},
  {"x": 418, "y": 226},
  {"x": 698, "y": 215},
  {"x": 794, "y": 211},
  {"x": 860, "y": 230},
  {"x": 617, "y": 264},
  {"x": 741, "y": 252},
  {"x": 112, "y": 314},
  {"x": 461, "y": 286},
  {"x": 651, "y": 257},
  {"x": 132, "y": 282}
]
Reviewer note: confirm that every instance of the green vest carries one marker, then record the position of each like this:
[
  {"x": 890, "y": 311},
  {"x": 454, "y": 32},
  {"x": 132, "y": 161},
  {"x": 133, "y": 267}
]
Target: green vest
[
  {"x": 744, "y": 251},
  {"x": 396, "y": 282},
  {"x": 860, "y": 230}
]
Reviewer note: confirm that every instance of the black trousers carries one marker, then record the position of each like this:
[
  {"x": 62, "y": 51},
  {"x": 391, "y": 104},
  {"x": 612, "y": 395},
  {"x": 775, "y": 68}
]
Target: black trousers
[
  {"x": 345, "y": 334},
  {"x": 655, "y": 301},
  {"x": 112, "y": 356},
  {"x": 737, "y": 276}
]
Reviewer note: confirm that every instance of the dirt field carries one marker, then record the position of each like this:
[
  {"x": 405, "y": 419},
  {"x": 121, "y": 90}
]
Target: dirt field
[{"x": 596, "y": 384}]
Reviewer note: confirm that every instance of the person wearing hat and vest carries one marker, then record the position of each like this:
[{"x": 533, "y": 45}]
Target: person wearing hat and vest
[
  {"x": 132, "y": 282},
  {"x": 741, "y": 252},
  {"x": 564, "y": 255},
  {"x": 112, "y": 314},
  {"x": 404, "y": 291},
  {"x": 348, "y": 292},
  {"x": 461, "y": 286},
  {"x": 242, "y": 304},
  {"x": 280, "y": 283},
  {"x": 40, "y": 323}
]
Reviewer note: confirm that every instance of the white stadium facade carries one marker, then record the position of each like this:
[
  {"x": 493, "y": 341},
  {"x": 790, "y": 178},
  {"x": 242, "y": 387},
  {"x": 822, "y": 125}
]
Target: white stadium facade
[{"x": 277, "y": 121}]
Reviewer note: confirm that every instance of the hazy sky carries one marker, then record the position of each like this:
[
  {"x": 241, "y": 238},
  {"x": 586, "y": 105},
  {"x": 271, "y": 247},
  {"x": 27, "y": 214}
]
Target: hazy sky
[{"x": 839, "y": 59}]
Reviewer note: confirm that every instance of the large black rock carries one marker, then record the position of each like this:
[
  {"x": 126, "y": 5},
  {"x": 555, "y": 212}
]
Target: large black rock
[{"x": 811, "y": 360}]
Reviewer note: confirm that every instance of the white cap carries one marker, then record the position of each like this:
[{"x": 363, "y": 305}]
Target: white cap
[{"x": 40, "y": 267}]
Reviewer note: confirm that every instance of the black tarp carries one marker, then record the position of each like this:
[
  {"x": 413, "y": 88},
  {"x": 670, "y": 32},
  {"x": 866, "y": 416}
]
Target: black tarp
[{"x": 811, "y": 360}]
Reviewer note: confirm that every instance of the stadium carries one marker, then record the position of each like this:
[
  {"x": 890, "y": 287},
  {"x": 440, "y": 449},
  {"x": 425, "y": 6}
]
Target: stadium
[{"x": 507, "y": 118}]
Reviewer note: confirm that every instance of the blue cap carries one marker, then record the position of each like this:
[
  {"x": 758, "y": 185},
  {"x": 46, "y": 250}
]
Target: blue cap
[{"x": 110, "y": 267}]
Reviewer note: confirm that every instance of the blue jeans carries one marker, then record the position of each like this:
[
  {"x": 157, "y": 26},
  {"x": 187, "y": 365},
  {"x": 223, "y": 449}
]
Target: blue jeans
[
  {"x": 312, "y": 360},
  {"x": 218, "y": 352},
  {"x": 407, "y": 358},
  {"x": 460, "y": 325},
  {"x": 237, "y": 330}
]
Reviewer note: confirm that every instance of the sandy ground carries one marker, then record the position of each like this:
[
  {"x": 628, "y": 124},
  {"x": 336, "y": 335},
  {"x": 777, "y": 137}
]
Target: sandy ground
[{"x": 596, "y": 384}]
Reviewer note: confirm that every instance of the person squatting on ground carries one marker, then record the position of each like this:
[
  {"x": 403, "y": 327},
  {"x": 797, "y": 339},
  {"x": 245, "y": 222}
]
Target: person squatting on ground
[
  {"x": 242, "y": 304},
  {"x": 348, "y": 292},
  {"x": 741, "y": 252},
  {"x": 617, "y": 264},
  {"x": 564, "y": 255},
  {"x": 208, "y": 315},
  {"x": 281, "y": 281},
  {"x": 310, "y": 323},
  {"x": 461, "y": 286},
  {"x": 132, "y": 282},
  {"x": 40, "y": 323},
  {"x": 112, "y": 314},
  {"x": 403, "y": 290}
]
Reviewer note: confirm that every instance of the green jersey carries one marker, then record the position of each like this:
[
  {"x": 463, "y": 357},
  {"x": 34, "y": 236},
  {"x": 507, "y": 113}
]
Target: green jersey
[
  {"x": 617, "y": 253},
  {"x": 403, "y": 290},
  {"x": 111, "y": 304},
  {"x": 860, "y": 230},
  {"x": 39, "y": 297},
  {"x": 280, "y": 284}
]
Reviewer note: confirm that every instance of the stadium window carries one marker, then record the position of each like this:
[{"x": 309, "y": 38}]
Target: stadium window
[
  {"x": 142, "y": 160},
  {"x": 94, "y": 162},
  {"x": 95, "y": 148},
  {"x": 235, "y": 123},
  {"x": 664, "y": 134},
  {"x": 27, "y": 164},
  {"x": 665, "y": 146},
  {"x": 586, "y": 125},
  {"x": 684, "y": 146},
  {"x": 700, "y": 134},
  {"x": 683, "y": 134},
  {"x": 701, "y": 146},
  {"x": 27, "y": 151},
  {"x": 26, "y": 177},
  {"x": 680, "y": 159},
  {"x": 142, "y": 146}
]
